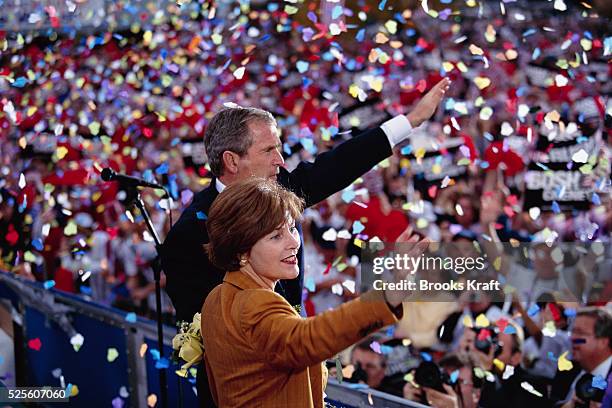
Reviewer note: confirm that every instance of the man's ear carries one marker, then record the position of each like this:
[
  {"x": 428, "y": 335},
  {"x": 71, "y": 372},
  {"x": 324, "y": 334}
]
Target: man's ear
[{"x": 230, "y": 161}]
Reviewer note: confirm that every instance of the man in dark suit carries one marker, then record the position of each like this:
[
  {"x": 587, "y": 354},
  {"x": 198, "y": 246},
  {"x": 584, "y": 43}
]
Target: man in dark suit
[
  {"x": 244, "y": 142},
  {"x": 591, "y": 356}
]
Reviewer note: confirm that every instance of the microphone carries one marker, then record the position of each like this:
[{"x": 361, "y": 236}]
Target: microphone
[{"x": 109, "y": 174}]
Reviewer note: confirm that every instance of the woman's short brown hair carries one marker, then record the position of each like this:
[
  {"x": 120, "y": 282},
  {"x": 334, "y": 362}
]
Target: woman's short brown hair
[{"x": 244, "y": 213}]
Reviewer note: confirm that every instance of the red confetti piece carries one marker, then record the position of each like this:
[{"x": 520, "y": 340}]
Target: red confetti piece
[
  {"x": 35, "y": 344},
  {"x": 327, "y": 269},
  {"x": 421, "y": 85},
  {"x": 432, "y": 191},
  {"x": 12, "y": 236},
  {"x": 484, "y": 334}
]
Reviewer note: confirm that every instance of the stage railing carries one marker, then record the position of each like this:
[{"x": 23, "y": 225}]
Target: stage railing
[{"x": 117, "y": 359}]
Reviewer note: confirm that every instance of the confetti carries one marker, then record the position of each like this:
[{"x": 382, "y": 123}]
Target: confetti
[
  {"x": 563, "y": 363},
  {"x": 111, "y": 354}
]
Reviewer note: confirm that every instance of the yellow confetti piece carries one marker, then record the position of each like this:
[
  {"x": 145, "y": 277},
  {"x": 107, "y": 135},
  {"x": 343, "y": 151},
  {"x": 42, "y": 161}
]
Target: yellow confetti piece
[
  {"x": 182, "y": 372},
  {"x": 497, "y": 263},
  {"x": 381, "y": 38},
  {"x": 486, "y": 113},
  {"x": 359, "y": 243},
  {"x": 563, "y": 363},
  {"x": 32, "y": 110},
  {"x": 482, "y": 321},
  {"x": 74, "y": 390},
  {"x": 383, "y": 58},
  {"x": 482, "y": 82},
  {"x": 147, "y": 37},
  {"x": 420, "y": 153},
  {"x": 490, "y": 34},
  {"x": 347, "y": 372},
  {"x": 476, "y": 50},
  {"x": 216, "y": 38},
  {"x": 586, "y": 44},
  {"x": 61, "y": 152},
  {"x": 291, "y": 9},
  {"x": 448, "y": 66},
  {"x": 23, "y": 143},
  {"x": 152, "y": 400},
  {"x": 467, "y": 321},
  {"x": 143, "y": 349},
  {"x": 70, "y": 229},
  {"x": 499, "y": 364},
  {"x": 422, "y": 223},
  {"x": 511, "y": 54},
  {"x": 377, "y": 84},
  {"x": 354, "y": 90},
  {"x": 112, "y": 354},
  {"x": 553, "y": 116},
  {"x": 391, "y": 26}
]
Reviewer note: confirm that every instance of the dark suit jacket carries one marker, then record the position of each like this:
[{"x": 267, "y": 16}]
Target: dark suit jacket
[
  {"x": 190, "y": 276},
  {"x": 563, "y": 382}
]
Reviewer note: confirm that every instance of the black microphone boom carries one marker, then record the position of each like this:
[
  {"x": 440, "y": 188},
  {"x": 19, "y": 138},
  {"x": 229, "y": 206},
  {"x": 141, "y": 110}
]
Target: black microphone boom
[{"x": 109, "y": 174}]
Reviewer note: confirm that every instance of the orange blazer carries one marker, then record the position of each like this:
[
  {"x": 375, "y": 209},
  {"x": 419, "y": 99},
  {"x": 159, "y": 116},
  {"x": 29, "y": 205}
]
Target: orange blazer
[{"x": 259, "y": 352}]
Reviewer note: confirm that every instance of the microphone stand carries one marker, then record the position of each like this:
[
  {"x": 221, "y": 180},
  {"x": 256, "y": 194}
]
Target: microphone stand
[{"x": 133, "y": 199}]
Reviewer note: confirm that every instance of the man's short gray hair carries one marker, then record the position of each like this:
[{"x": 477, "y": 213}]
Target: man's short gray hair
[{"x": 229, "y": 130}]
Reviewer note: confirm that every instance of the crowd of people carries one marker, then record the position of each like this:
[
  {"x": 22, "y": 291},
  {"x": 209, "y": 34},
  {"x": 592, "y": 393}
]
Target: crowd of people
[{"x": 518, "y": 152}]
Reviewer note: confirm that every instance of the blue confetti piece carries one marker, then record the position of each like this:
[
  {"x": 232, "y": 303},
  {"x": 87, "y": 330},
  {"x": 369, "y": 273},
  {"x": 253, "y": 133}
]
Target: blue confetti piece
[
  {"x": 302, "y": 66},
  {"x": 426, "y": 356},
  {"x": 510, "y": 329},
  {"x": 86, "y": 290},
  {"x": 411, "y": 32},
  {"x": 130, "y": 317},
  {"x": 162, "y": 363},
  {"x": 20, "y": 82},
  {"x": 406, "y": 150},
  {"x": 69, "y": 389},
  {"x": 551, "y": 356},
  {"x": 348, "y": 196},
  {"x": 529, "y": 32},
  {"x": 536, "y": 53},
  {"x": 265, "y": 38},
  {"x": 37, "y": 244},
  {"x": 162, "y": 169},
  {"x": 312, "y": 17},
  {"x": 272, "y": 7},
  {"x": 390, "y": 331},
  {"x": 201, "y": 215},
  {"x": 382, "y": 4},
  {"x": 360, "y": 35},
  {"x": 533, "y": 310},
  {"x": 454, "y": 376},
  {"x": 309, "y": 284},
  {"x": 154, "y": 354},
  {"x": 386, "y": 349},
  {"x": 337, "y": 12},
  {"x": 599, "y": 382},
  {"x": 49, "y": 284},
  {"x": 446, "y": 1},
  {"x": 306, "y": 82},
  {"x": 358, "y": 227},
  {"x": 555, "y": 207},
  {"x": 595, "y": 199},
  {"x": 569, "y": 312}
]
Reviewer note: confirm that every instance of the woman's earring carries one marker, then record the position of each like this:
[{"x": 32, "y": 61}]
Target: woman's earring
[{"x": 243, "y": 261}]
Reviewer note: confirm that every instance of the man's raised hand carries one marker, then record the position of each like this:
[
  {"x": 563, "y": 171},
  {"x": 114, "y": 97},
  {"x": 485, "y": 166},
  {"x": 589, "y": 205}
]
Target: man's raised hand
[{"x": 426, "y": 107}]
